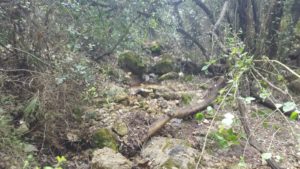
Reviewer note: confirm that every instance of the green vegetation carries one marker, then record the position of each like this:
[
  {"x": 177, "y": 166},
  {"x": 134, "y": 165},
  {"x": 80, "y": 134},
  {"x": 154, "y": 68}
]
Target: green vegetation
[
  {"x": 104, "y": 138},
  {"x": 73, "y": 73}
]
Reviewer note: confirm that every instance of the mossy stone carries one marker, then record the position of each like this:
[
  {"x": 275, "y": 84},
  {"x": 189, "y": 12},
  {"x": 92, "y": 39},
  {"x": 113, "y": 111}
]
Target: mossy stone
[
  {"x": 170, "y": 164},
  {"x": 155, "y": 48},
  {"x": 133, "y": 62},
  {"x": 164, "y": 66},
  {"x": 168, "y": 76},
  {"x": 120, "y": 128},
  {"x": 104, "y": 138}
]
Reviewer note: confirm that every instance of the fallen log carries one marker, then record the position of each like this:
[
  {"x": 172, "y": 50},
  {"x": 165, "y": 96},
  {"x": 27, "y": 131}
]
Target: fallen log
[
  {"x": 134, "y": 141},
  {"x": 243, "y": 110}
]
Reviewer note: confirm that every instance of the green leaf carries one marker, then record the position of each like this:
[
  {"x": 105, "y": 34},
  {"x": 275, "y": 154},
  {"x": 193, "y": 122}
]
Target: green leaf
[
  {"x": 32, "y": 106},
  {"x": 294, "y": 115},
  {"x": 199, "y": 116},
  {"x": 289, "y": 106},
  {"x": 204, "y": 68},
  {"x": 264, "y": 94}
]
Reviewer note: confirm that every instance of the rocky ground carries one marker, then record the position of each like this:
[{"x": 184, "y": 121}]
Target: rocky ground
[{"x": 129, "y": 107}]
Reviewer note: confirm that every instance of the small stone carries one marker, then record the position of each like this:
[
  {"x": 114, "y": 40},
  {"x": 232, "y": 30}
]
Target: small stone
[
  {"x": 168, "y": 76},
  {"x": 120, "y": 128},
  {"x": 170, "y": 153},
  {"x": 107, "y": 158},
  {"x": 205, "y": 121}
]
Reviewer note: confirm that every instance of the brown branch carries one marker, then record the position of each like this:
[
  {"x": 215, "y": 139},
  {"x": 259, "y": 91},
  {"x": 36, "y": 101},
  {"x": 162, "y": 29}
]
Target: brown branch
[
  {"x": 221, "y": 17},
  {"x": 194, "y": 40},
  {"x": 121, "y": 39},
  {"x": 206, "y": 10},
  {"x": 270, "y": 83},
  {"x": 217, "y": 24},
  {"x": 243, "y": 110},
  {"x": 132, "y": 144}
]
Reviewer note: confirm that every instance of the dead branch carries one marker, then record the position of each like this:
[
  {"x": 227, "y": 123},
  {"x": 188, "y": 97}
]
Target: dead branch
[
  {"x": 194, "y": 40},
  {"x": 222, "y": 14},
  {"x": 206, "y": 10},
  {"x": 133, "y": 144},
  {"x": 243, "y": 110},
  {"x": 270, "y": 83}
]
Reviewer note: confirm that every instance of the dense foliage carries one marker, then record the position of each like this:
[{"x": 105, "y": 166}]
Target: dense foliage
[{"x": 54, "y": 55}]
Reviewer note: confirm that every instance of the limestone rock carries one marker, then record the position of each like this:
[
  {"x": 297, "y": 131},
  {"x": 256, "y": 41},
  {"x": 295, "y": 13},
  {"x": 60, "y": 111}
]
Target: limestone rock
[
  {"x": 104, "y": 137},
  {"x": 170, "y": 153},
  {"x": 168, "y": 76},
  {"x": 120, "y": 127},
  {"x": 154, "y": 47},
  {"x": 132, "y": 62},
  {"x": 165, "y": 65},
  {"x": 107, "y": 158},
  {"x": 116, "y": 94}
]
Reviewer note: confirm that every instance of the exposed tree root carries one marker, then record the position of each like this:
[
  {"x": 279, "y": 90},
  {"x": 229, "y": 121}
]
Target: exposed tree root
[
  {"x": 133, "y": 144},
  {"x": 243, "y": 110}
]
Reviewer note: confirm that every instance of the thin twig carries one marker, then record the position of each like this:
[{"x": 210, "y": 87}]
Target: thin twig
[
  {"x": 268, "y": 82},
  {"x": 210, "y": 127},
  {"x": 281, "y": 64}
]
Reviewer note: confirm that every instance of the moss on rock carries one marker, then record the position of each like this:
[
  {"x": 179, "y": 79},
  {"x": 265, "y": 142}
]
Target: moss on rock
[
  {"x": 167, "y": 76},
  {"x": 104, "y": 138},
  {"x": 155, "y": 48},
  {"x": 164, "y": 66},
  {"x": 132, "y": 62},
  {"x": 120, "y": 128}
]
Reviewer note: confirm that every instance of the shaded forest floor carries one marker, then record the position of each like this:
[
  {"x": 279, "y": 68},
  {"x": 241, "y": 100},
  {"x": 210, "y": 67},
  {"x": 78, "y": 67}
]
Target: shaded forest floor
[{"x": 134, "y": 104}]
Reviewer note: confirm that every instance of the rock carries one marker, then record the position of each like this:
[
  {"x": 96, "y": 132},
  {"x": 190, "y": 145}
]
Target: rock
[
  {"x": 107, "y": 158},
  {"x": 144, "y": 92},
  {"x": 132, "y": 62},
  {"x": 104, "y": 137},
  {"x": 165, "y": 65},
  {"x": 154, "y": 47},
  {"x": 168, "y": 76},
  {"x": 23, "y": 128},
  {"x": 168, "y": 95},
  {"x": 151, "y": 78},
  {"x": 170, "y": 153},
  {"x": 295, "y": 86},
  {"x": 116, "y": 94},
  {"x": 189, "y": 67},
  {"x": 120, "y": 127}
]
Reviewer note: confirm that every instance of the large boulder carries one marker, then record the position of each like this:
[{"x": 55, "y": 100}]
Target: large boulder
[
  {"x": 154, "y": 47},
  {"x": 165, "y": 65},
  {"x": 132, "y": 62},
  {"x": 107, "y": 158},
  {"x": 170, "y": 153},
  {"x": 104, "y": 137},
  {"x": 116, "y": 94}
]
